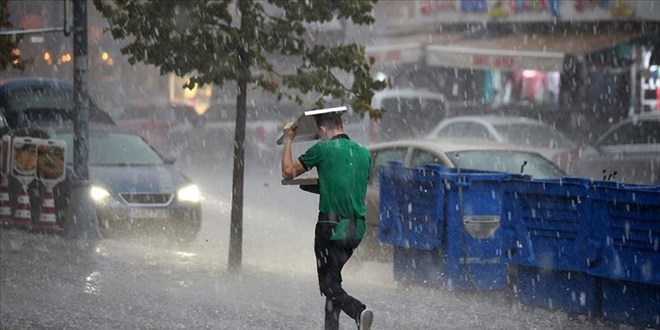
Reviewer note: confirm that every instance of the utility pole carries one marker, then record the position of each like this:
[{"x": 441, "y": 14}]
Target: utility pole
[
  {"x": 237, "y": 202},
  {"x": 81, "y": 216}
]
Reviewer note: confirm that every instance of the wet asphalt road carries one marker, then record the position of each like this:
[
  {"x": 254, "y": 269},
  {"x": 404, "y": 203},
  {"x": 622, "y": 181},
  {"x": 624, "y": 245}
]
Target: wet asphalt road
[{"x": 47, "y": 282}]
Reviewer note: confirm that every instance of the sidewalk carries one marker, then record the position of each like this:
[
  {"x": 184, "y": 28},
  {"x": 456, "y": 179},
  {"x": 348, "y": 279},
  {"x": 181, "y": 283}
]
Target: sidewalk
[{"x": 48, "y": 282}]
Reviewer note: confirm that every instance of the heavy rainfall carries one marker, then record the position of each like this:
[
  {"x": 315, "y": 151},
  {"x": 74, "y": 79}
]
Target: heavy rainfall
[{"x": 515, "y": 180}]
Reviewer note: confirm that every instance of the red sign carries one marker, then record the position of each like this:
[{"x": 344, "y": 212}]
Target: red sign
[{"x": 493, "y": 61}]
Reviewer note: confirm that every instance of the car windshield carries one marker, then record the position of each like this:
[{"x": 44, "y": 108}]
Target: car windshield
[
  {"x": 39, "y": 98},
  {"x": 108, "y": 149},
  {"x": 643, "y": 132},
  {"x": 516, "y": 162},
  {"x": 533, "y": 135},
  {"x": 44, "y": 116}
]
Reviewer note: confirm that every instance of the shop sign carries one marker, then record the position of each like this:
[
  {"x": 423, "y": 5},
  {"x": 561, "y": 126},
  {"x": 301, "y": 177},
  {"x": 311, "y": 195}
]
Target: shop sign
[
  {"x": 493, "y": 61},
  {"x": 525, "y": 10}
]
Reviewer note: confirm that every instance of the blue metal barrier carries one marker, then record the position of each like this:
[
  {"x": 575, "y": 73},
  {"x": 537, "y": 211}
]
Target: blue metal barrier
[
  {"x": 411, "y": 207},
  {"x": 630, "y": 266},
  {"x": 575, "y": 245},
  {"x": 460, "y": 212},
  {"x": 556, "y": 243}
]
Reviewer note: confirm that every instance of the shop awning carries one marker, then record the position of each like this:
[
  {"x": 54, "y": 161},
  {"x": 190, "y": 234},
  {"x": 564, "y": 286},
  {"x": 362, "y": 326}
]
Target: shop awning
[
  {"x": 520, "y": 52},
  {"x": 408, "y": 49},
  {"x": 397, "y": 53}
]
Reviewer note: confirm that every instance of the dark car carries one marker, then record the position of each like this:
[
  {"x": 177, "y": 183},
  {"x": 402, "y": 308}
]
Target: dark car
[
  {"x": 166, "y": 126},
  {"x": 628, "y": 152},
  {"x": 133, "y": 187},
  {"x": 28, "y": 102}
]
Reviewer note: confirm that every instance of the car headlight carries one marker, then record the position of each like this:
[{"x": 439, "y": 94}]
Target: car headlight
[
  {"x": 189, "y": 194},
  {"x": 99, "y": 194}
]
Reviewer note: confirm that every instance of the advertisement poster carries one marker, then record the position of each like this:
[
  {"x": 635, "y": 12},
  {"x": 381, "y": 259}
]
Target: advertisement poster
[
  {"x": 24, "y": 157},
  {"x": 50, "y": 160}
]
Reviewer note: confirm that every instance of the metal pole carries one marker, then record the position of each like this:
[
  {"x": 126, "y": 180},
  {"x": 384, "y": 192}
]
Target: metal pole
[
  {"x": 81, "y": 96},
  {"x": 81, "y": 216}
]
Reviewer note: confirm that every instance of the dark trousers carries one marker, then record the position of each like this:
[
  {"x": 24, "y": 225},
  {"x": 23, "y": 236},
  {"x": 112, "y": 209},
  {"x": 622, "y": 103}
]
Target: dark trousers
[{"x": 331, "y": 256}]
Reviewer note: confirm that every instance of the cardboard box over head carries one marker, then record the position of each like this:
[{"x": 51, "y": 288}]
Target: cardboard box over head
[
  {"x": 307, "y": 131},
  {"x": 306, "y": 125}
]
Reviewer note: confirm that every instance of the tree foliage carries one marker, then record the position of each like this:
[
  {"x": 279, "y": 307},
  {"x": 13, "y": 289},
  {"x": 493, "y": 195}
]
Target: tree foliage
[
  {"x": 9, "y": 56},
  {"x": 258, "y": 43},
  {"x": 203, "y": 38}
]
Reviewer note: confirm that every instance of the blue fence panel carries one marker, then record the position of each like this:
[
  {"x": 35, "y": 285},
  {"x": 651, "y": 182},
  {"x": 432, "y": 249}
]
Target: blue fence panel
[
  {"x": 447, "y": 219},
  {"x": 411, "y": 207},
  {"x": 476, "y": 248},
  {"x": 631, "y": 232},
  {"x": 552, "y": 223},
  {"x": 556, "y": 243}
]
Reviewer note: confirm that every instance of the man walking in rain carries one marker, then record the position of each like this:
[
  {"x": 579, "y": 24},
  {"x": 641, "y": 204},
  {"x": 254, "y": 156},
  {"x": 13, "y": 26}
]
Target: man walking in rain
[{"x": 343, "y": 168}]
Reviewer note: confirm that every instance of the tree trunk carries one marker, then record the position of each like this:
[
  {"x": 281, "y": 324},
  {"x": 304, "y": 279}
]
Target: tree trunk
[{"x": 236, "y": 227}]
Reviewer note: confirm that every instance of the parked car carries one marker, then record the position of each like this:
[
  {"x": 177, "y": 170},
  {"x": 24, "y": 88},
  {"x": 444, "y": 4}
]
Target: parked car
[
  {"x": 27, "y": 102},
  {"x": 522, "y": 131},
  {"x": 409, "y": 113},
  {"x": 451, "y": 153},
  {"x": 166, "y": 126},
  {"x": 134, "y": 187},
  {"x": 628, "y": 152}
]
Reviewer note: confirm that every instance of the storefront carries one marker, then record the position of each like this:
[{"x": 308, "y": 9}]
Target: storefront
[{"x": 566, "y": 58}]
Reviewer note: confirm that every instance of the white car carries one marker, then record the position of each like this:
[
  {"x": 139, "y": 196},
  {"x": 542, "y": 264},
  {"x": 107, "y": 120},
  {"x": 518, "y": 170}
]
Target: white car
[
  {"x": 627, "y": 152},
  {"x": 522, "y": 131},
  {"x": 451, "y": 153}
]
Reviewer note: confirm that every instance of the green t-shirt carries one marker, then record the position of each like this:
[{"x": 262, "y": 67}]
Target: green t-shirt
[{"x": 343, "y": 168}]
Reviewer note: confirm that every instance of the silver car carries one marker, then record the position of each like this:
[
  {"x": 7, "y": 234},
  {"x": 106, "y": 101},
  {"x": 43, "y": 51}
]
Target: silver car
[
  {"x": 451, "y": 153},
  {"x": 521, "y": 131},
  {"x": 628, "y": 152}
]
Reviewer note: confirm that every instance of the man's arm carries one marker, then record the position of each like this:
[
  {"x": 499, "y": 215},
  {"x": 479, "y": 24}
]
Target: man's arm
[{"x": 290, "y": 168}]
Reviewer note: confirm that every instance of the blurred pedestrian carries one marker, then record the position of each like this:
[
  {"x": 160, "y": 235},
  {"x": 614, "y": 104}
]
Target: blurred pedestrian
[{"x": 343, "y": 168}]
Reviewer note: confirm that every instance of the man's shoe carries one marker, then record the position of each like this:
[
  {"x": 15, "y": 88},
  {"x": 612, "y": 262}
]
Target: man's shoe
[{"x": 365, "y": 320}]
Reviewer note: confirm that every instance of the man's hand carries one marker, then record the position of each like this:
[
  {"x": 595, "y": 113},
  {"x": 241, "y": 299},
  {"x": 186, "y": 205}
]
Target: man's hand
[
  {"x": 289, "y": 131},
  {"x": 290, "y": 167}
]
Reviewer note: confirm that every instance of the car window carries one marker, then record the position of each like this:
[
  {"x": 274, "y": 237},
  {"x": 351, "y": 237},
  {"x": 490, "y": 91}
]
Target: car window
[
  {"x": 423, "y": 157},
  {"x": 533, "y": 135},
  {"x": 451, "y": 130},
  {"x": 515, "y": 162},
  {"x": 114, "y": 149},
  {"x": 40, "y": 116},
  {"x": 26, "y": 106},
  {"x": 644, "y": 132},
  {"x": 381, "y": 157},
  {"x": 466, "y": 130},
  {"x": 39, "y": 98}
]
